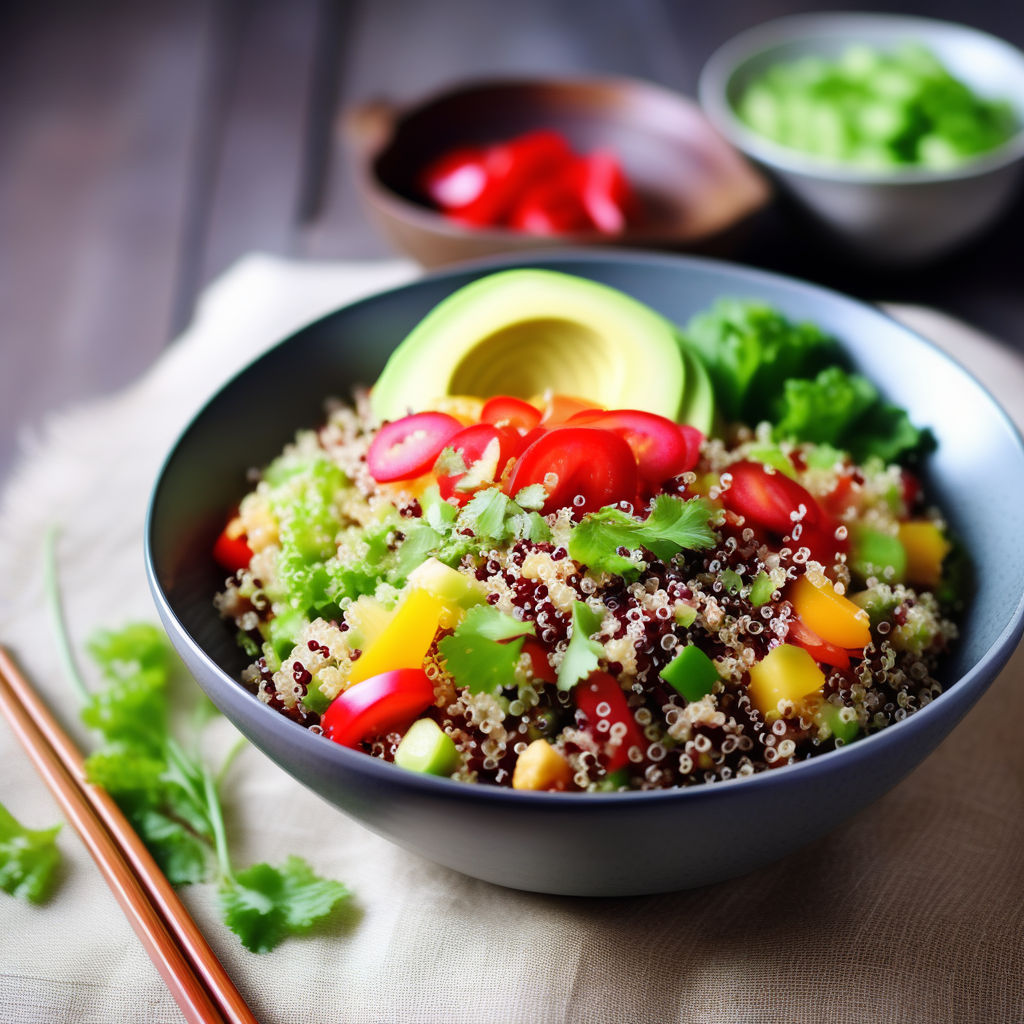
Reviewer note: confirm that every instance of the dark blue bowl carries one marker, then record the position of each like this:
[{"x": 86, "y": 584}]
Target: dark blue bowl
[{"x": 593, "y": 844}]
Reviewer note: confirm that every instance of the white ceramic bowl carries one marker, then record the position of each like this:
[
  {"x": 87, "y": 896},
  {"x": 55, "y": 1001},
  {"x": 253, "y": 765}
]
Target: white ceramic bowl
[{"x": 902, "y": 216}]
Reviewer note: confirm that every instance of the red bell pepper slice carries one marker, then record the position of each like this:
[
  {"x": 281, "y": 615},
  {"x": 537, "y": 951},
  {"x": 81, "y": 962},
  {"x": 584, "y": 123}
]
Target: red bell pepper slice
[
  {"x": 605, "y": 192},
  {"x": 455, "y": 179},
  {"x": 600, "y": 698},
  {"x": 821, "y": 650},
  {"x": 377, "y": 705}
]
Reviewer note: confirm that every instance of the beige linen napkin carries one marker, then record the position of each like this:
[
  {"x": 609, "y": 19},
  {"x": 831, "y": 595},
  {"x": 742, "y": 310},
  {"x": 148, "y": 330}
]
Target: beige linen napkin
[{"x": 912, "y": 912}]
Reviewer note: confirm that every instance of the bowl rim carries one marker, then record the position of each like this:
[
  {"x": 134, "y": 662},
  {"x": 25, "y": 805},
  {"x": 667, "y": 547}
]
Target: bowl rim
[
  {"x": 958, "y": 698},
  {"x": 717, "y": 73},
  {"x": 425, "y": 218}
]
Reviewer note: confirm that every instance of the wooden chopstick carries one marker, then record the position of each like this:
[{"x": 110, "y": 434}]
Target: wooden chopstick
[{"x": 190, "y": 969}]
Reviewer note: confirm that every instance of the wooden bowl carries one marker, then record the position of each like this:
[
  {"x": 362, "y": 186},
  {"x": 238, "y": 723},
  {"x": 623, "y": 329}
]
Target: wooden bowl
[{"x": 694, "y": 188}]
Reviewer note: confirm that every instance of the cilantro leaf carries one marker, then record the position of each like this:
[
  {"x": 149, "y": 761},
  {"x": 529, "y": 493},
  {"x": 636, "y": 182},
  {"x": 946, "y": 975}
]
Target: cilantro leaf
[
  {"x": 263, "y": 905},
  {"x": 485, "y": 513},
  {"x": 481, "y": 654},
  {"x": 582, "y": 655},
  {"x": 673, "y": 525},
  {"x": 28, "y": 858}
]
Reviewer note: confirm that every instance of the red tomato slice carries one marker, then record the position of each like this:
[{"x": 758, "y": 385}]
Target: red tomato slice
[
  {"x": 231, "y": 550},
  {"x": 455, "y": 179},
  {"x": 595, "y": 464},
  {"x": 408, "y": 447},
  {"x": 820, "y": 650},
  {"x": 377, "y": 705},
  {"x": 511, "y": 168},
  {"x": 506, "y": 411},
  {"x": 600, "y": 698},
  {"x": 485, "y": 450},
  {"x": 605, "y": 192},
  {"x": 768, "y": 500},
  {"x": 660, "y": 447}
]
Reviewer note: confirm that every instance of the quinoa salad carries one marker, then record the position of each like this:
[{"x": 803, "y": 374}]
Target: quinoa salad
[{"x": 553, "y": 592}]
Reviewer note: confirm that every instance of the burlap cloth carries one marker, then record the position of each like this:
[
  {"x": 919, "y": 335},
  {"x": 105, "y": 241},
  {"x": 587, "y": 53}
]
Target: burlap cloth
[{"x": 911, "y": 912}]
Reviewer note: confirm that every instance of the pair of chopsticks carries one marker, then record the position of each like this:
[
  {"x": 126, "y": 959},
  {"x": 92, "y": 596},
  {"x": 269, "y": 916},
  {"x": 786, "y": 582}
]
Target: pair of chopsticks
[{"x": 193, "y": 974}]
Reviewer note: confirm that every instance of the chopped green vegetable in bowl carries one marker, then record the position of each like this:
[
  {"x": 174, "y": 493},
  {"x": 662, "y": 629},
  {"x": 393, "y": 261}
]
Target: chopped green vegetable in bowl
[
  {"x": 878, "y": 109},
  {"x": 901, "y": 137}
]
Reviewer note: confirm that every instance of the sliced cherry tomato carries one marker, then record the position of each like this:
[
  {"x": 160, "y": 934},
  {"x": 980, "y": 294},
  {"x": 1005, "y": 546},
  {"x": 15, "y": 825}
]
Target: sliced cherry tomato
[
  {"x": 231, "y": 549},
  {"x": 485, "y": 451},
  {"x": 605, "y": 192},
  {"x": 455, "y": 179},
  {"x": 405, "y": 448},
  {"x": 511, "y": 168},
  {"x": 539, "y": 660},
  {"x": 821, "y": 650},
  {"x": 506, "y": 411},
  {"x": 377, "y": 705},
  {"x": 600, "y": 699},
  {"x": 559, "y": 409},
  {"x": 694, "y": 439},
  {"x": 571, "y": 462},
  {"x": 660, "y": 447},
  {"x": 769, "y": 500}
]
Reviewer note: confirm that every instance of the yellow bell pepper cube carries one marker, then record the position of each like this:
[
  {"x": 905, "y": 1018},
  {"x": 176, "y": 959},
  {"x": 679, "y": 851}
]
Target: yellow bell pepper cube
[
  {"x": 926, "y": 547},
  {"x": 835, "y": 618},
  {"x": 404, "y": 642},
  {"x": 786, "y": 672},
  {"x": 540, "y": 766}
]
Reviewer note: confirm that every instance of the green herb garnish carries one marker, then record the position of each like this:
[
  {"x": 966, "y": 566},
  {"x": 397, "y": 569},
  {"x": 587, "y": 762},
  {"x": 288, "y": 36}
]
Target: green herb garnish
[
  {"x": 482, "y": 653},
  {"x": 28, "y": 858},
  {"x": 673, "y": 525},
  {"x": 170, "y": 795}
]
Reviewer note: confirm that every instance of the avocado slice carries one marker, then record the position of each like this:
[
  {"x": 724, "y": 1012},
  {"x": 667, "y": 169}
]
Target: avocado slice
[
  {"x": 522, "y": 332},
  {"x": 698, "y": 408}
]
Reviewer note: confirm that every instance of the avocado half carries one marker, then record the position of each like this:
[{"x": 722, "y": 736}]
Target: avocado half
[{"x": 524, "y": 332}]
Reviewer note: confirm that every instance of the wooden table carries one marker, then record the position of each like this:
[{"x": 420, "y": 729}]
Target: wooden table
[{"x": 144, "y": 147}]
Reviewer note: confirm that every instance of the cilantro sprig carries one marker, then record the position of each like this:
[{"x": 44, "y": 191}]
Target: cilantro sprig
[
  {"x": 170, "y": 794},
  {"x": 673, "y": 525},
  {"x": 481, "y": 654}
]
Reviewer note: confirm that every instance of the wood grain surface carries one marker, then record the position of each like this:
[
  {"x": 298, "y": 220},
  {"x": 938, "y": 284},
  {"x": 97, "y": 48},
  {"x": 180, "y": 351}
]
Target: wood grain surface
[{"x": 144, "y": 147}]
